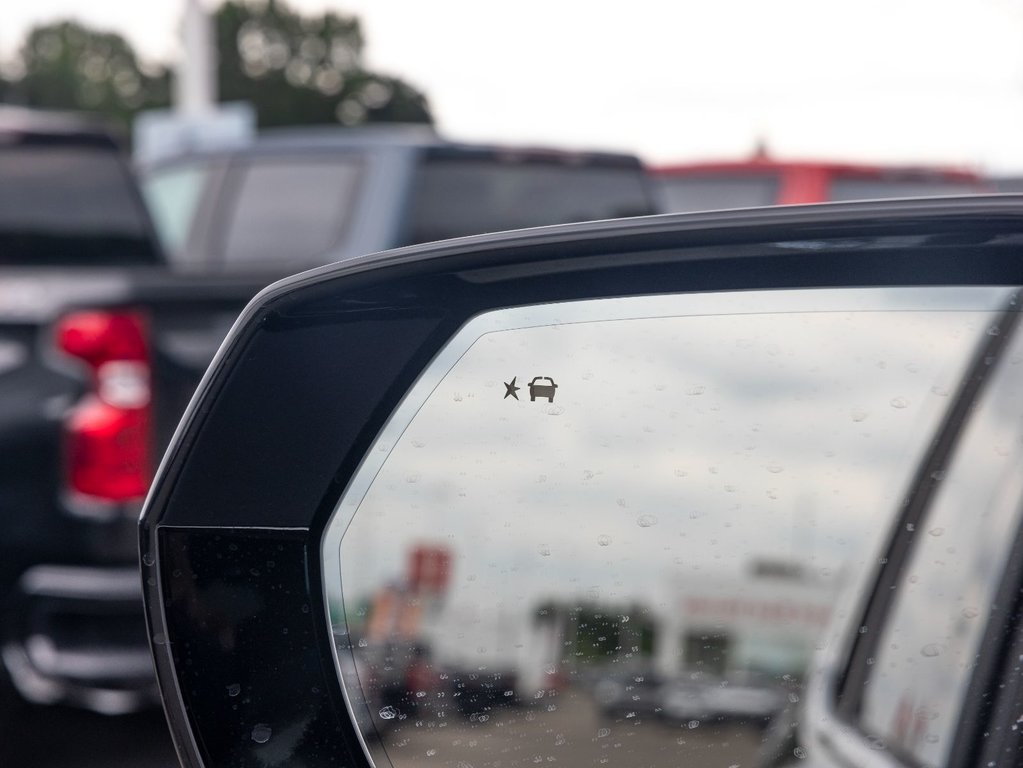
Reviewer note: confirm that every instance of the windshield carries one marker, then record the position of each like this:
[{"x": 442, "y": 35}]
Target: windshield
[{"x": 69, "y": 205}]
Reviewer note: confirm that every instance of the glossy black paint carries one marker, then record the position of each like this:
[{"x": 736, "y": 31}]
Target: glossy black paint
[
  {"x": 264, "y": 447},
  {"x": 254, "y": 645}
]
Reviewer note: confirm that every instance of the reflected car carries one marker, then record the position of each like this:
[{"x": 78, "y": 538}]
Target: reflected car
[
  {"x": 635, "y": 694},
  {"x": 739, "y": 699},
  {"x": 786, "y": 439}
]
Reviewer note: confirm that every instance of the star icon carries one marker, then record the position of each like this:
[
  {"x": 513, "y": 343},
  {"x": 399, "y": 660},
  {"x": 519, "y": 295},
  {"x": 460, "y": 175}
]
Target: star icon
[{"x": 511, "y": 389}]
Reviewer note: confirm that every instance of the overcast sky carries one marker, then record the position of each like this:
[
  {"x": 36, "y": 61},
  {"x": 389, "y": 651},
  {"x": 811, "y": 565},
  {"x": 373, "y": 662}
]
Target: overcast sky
[{"x": 884, "y": 80}]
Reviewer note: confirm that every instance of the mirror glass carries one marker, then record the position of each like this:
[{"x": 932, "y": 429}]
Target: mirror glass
[{"x": 615, "y": 532}]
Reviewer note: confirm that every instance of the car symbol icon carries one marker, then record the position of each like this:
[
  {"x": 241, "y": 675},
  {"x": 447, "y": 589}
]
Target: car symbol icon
[{"x": 542, "y": 390}]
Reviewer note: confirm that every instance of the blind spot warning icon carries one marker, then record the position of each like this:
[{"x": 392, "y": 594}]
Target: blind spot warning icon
[
  {"x": 510, "y": 390},
  {"x": 547, "y": 390}
]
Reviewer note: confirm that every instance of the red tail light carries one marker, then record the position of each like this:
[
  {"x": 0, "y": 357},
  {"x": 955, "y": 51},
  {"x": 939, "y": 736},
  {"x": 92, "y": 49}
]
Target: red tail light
[{"x": 107, "y": 439}]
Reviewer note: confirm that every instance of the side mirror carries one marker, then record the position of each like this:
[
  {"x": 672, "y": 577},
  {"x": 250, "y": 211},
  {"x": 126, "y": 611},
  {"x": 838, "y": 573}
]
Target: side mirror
[{"x": 591, "y": 495}]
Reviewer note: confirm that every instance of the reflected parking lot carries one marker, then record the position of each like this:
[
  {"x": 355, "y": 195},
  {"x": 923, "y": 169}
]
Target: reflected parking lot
[{"x": 573, "y": 729}]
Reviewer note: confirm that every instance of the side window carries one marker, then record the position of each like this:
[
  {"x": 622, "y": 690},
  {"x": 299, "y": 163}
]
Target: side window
[
  {"x": 173, "y": 196},
  {"x": 290, "y": 211},
  {"x": 926, "y": 652}
]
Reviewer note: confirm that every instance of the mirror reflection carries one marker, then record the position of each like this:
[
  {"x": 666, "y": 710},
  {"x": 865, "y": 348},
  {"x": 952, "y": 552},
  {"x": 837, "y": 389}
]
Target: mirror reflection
[{"x": 615, "y": 532}]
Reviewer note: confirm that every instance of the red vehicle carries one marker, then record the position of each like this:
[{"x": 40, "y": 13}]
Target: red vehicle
[{"x": 765, "y": 181}]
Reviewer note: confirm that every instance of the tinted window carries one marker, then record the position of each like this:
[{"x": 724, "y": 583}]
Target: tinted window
[
  {"x": 709, "y": 193},
  {"x": 929, "y": 645},
  {"x": 453, "y": 197},
  {"x": 873, "y": 189},
  {"x": 69, "y": 205},
  {"x": 290, "y": 212},
  {"x": 173, "y": 197}
]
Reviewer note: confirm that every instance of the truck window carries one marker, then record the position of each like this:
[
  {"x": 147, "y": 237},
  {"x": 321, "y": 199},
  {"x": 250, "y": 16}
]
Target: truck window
[
  {"x": 173, "y": 196},
  {"x": 67, "y": 204},
  {"x": 877, "y": 189},
  {"x": 709, "y": 193},
  {"x": 454, "y": 196},
  {"x": 290, "y": 211}
]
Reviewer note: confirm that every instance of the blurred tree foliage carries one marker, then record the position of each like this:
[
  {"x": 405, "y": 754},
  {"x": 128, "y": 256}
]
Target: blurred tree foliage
[
  {"x": 293, "y": 69},
  {"x": 71, "y": 67},
  {"x": 306, "y": 69}
]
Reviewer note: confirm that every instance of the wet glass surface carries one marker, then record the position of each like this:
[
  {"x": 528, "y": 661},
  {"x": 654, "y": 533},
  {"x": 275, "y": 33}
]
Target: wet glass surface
[{"x": 614, "y": 532}]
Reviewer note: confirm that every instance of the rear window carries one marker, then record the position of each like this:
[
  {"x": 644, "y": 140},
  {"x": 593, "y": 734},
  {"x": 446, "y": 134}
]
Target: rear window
[
  {"x": 290, "y": 212},
  {"x": 875, "y": 189},
  {"x": 712, "y": 192},
  {"x": 69, "y": 205},
  {"x": 456, "y": 196}
]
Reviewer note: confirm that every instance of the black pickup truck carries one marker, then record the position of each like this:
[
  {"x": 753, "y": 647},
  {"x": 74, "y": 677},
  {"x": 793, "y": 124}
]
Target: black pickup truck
[
  {"x": 102, "y": 343},
  {"x": 100, "y": 348}
]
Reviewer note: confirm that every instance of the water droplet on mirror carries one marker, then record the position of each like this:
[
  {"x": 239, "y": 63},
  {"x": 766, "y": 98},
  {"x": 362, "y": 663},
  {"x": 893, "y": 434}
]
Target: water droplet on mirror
[
  {"x": 859, "y": 415},
  {"x": 646, "y": 521},
  {"x": 363, "y": 643},
  {"x": 970, "y": 613},
  {"x": 695, "y": 390},
  {"x": 936, "y": 531},
  {"x": 800, "y": 753},
  {"x": 431, "y": 752},
  {"x": 931, "y": 650},
  {"x": 994, "y": 330},
  {"x": 159, "y": 639},
  {"x": 774, "y": 469},
  {"x": 234, "y": 689},
  {"x": 899, "y": 402},
  {"x": 388, "y": 713},
  {"x": 692, "y": 724},
  {"x": 544, "y": 550},
  {"x": 604, "y": 540},
  {"x": 261, "y": 733},
  {"x": 603, "y": 733},
  {"x": 148, "y": 558}
]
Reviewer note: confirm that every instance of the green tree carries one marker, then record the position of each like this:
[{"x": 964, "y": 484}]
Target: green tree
[
  {"x": 306, "y": 69},
  {"x": 68, "y": 66},
  {"x": 294, "y": 69}
]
